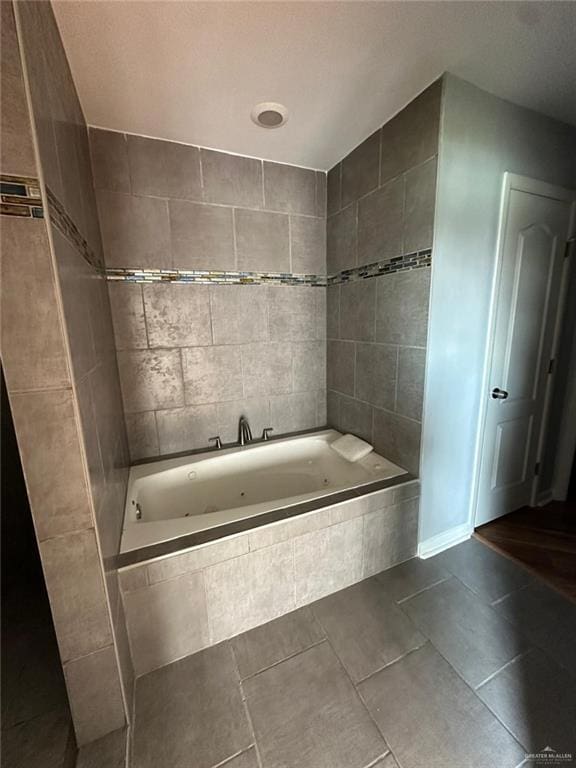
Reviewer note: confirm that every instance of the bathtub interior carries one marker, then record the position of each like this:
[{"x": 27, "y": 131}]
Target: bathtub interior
[{"x": 173, "y": 497}]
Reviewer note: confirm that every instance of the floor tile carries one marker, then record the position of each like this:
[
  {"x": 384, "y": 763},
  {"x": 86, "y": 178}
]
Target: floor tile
[
  {"x": 475, "y": 639},
  {"x": 411, "y": 577},
  {"x": 536, "y": 702},
  {"x": 547, "y": 618},
  {"x": 45, "y": 741},
  {"x": 245, "y": 760},
  {"x": 430, "y": 717},
  {"x": 107, "y": 752},
  {"x": 386, "y": 762},
  {"x": 482, "y": 570},
  {"x": 191, "y": 707},
  {"x": 366, "y": 629},
  {"x": 306, "y": 712},
  {"x": 273, "y": 642}
]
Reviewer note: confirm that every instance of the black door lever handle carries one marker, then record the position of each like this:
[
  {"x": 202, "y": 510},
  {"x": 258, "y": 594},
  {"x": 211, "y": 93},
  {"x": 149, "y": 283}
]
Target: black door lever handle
[{"x": 499, "y": 394}]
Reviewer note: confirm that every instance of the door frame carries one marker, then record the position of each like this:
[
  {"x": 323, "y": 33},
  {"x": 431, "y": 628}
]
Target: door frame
[{"x": 510, "y": 182}]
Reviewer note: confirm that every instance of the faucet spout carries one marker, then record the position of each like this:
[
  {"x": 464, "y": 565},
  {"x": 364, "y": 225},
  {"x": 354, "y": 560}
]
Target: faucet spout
[{"x": 244, "y": 431}]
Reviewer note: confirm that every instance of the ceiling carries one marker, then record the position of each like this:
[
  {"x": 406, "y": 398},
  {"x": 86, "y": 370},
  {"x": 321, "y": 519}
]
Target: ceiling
[{"x": 192, "y": 71}]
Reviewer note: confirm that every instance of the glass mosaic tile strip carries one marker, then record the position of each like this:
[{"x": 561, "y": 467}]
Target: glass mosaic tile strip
[
  {"x": 388, "y": 266},
  {"x": 213, "y": 277},
  {"x": 69, "y": 230},
  {"x": 20, "y": 196}
]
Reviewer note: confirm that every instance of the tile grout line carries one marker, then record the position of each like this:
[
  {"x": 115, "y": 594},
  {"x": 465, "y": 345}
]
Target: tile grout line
[
  {"x": 245, "y": 704},
  {"x": 426, "y": 588},
  {"x": 509, "y": 663}
]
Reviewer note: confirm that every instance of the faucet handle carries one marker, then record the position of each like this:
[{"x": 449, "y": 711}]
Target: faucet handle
[
  {"x": 266, "y": 433},
  {"x": 216, "y": 440}
]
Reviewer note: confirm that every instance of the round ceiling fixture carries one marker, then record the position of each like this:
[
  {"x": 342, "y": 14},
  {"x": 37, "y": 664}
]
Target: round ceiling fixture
[{"x": 269, "y": 114}]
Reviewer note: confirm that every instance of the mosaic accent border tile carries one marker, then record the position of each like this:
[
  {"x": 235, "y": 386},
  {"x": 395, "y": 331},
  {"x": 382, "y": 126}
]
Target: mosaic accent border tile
[
  {"x": 20, "y": 196},
  {"x": 214, "y": 277},
  {"x": 65, "y": 225},
  {"x": 404, "y": 263}
]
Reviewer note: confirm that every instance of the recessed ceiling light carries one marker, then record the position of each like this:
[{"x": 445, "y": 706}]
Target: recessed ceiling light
[{"x": 269, "y": 114}]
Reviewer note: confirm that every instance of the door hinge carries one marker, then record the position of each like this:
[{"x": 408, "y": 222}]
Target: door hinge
[
  {"x": 551, "y": 366},
  {"x": 537, "y": 468}
]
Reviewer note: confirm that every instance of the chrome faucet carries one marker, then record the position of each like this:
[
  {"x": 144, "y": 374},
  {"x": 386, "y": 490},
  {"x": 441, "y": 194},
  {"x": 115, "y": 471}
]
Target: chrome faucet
[{"x": 245, "y": 433}]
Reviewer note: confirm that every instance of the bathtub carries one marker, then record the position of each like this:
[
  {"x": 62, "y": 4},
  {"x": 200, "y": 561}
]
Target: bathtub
[{"x": 174, "y": 497}]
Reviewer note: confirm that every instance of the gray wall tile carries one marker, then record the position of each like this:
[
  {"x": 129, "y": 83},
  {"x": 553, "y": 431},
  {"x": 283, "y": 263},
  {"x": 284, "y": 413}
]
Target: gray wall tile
[
  {"x": 356, "y": 418},
  {"x": 293, "y": 313},
  {"x": 402, "y": 307},
  {"x": 95, "y": 695},
  {"x": 267, "y": 575},
  {"x": 309, "y": 363},
  {"x": 341, "y": 240},
  {"x": 166, "y": 621},
  {"x": 267, "y": 369},
  {"x": 197, "y": 558},
  {"x": 294, "y": 412},
  {"x": 231, "y": 179},
  {"x": 333, "y": 312},
  {"x": 239, "y": 313},
  {"x": 164, "y": 168},
  {"x": 127, "y": 308},
  {"x": 202, "y": 236},
  {"x": 212, "y": 374},
  {"x": 380, "y": 223},
  {"x": 360, "y": 169},
  {"x": 255, "y": 409},
  {"x": 75, "y": 586},
  {"x": 142, "y": 435},
  {"x": 308, "y": 245},
  {"x": 321, "y": 407},
  {"x": 333, "y": 408},
  {"x": 109, "y": 160},
  {"x": 135, "y": 230},
  {"x": 262, "y": 241},
  {"x": 289, "y": 188},
  {"x": 151, "y": 379},
  {"x": 410, "y": 392},
  {"x": 390, "y": 536},
  {"x": 340, "y": 362},
  {"x": 358, "y": 310},
  {"x": 321, "y": 193},
  {"x": 177, "y": 315},
  {"x": 48, "y": 438},
  {"x": 334, "y": 190},
  {"x": 412, "y": 136},
  {"x": 185, "y": 429},
  {"x": 376, "y": 366},
  {"x": 398, "y": 439},
  {"x": 419, "y": 207}
]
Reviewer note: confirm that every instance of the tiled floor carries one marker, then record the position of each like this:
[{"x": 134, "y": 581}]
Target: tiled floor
[{"x": 462, "y": 661}]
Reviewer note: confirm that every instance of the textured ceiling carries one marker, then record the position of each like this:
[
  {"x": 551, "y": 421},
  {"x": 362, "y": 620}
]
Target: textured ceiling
[{"x": 192, "y": 71}]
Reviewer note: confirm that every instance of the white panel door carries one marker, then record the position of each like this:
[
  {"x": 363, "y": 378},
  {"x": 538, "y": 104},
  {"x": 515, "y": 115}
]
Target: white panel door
[{"x": 533, "y": 234}]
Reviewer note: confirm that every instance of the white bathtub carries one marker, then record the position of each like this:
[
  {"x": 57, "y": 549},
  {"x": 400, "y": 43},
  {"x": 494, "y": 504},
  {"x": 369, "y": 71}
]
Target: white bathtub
[{"x": 181, "y": 496}]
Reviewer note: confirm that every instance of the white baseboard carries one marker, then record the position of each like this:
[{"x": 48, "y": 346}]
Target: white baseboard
[{"x": 436, "y": 544}]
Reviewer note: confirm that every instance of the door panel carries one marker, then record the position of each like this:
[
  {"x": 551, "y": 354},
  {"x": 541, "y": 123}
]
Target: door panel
[{"x": 534, "y": 229}]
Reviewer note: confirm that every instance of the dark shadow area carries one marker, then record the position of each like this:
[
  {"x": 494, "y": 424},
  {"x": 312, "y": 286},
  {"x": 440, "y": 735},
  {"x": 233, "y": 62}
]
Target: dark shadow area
[{"x": 36, "y": 724}]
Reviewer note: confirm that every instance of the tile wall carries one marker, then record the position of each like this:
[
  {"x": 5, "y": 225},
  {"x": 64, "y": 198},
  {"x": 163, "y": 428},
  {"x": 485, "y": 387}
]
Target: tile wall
[
  {"x": 381, "y": 207},
  {"x": 190, "y": 600},
  {"x": 194, "y": 357},
  {"x": 59, "y": 358}
]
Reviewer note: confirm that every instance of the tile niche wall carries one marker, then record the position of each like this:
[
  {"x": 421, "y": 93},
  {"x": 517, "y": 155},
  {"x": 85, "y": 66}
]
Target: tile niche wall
[
  {"x": 194, "y": 357},
  {"x": 381, "y": 207}
]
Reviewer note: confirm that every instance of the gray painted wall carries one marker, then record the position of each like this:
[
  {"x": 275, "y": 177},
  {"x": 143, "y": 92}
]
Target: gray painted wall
[{"x": 481, "y": 137}]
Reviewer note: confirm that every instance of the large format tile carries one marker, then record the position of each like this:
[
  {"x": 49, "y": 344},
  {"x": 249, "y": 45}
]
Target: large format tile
[
  {"x": 239, "y": 313},
  {"x": 308, "y": 245},
  {"x": 142, "y": 435},
  {"x": 340, "y": 363},
  {"x": 380, "y": 216},
  {"x": 402, "y": 307},
  {"x": 360, "y": 169},
  {"x": 202, "y": 236},
  {"x": 409, "y": 578},
  {"x": 184, "y": 429},
  {"x": 164, "y": 168},
  {"x": 267, "y": 369},
  {"x": 177, "y": 315},
  {"x": 327, "y": 560},
  {"x": 376, "y": 366},
  {"x": 246, "y": 759},
  {"x": 398, "y": 439},
  {"x": 249, "y": 590},
  {"x": 289, "y": 188},
  {"x": 429, "y": 716},
  {"x": 166, "y": 621},
  {"x": 390, "y": 536},
  {"x": 190, "y": 710},
  {"x": 46, "y": 740},
  {"x": 212, "y": 374},
  {"x": 366, "y": 628},
  {"x": 334, "y": 189},
  {"x": 271, "y": 643},
  {"x": 410, "y": 389},
  {"x": 333, "y": 312},
  {"x": 255, "y": 409},
  {"x": 355, "y": 417},
  {"x": 306, "y": 712},
  {"x": 107, "y": 752},
  {"x": 547, "y": 618},
  {"x": 231, "y": 179},
  {"x": 482, "y": 570},
  {"x": 419, "y": 207},
  {"x": 467, "y": 632},
  {"x": 341, "y": 240},
  {"x": 357, "y": 310},
  {"x": 262, "y": 241},
  {"x": 294, "y": 313},
  {"x": 151, "y": 379},
  {"x": 109, "y": 160},
  {"x": 294, "y": 412},
  {"x": 309, "y": 366},
  {"x": 127, "y": 306},
  {"x": 535, "y": 701}
]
